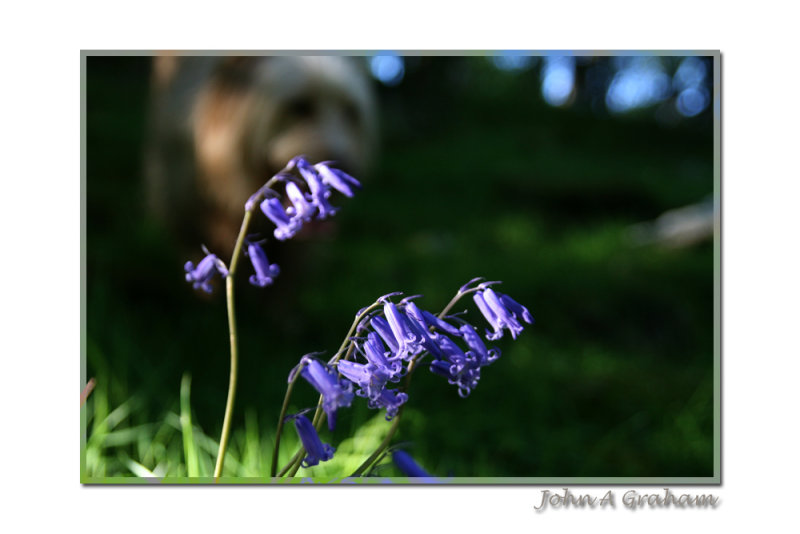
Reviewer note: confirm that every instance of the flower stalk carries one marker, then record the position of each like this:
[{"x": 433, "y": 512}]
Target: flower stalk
[{"x": 226, "y": 422}]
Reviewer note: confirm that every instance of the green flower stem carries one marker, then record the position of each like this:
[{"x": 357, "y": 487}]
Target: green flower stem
[
  {"x": 274, "y": 466},
  {"x": 297, "y": 463},
  {"x": 237, "y": 251},
  {"x": 298, "y": 455},
  {"x": 359, "y": 318},
  {"x": 385, "y": 443},
  {"x": 226, "y": 422},
  {"x": 454, "y": 300}
]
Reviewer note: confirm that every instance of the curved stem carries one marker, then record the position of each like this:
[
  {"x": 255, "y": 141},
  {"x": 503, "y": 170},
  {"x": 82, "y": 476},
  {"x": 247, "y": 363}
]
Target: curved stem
[
  {"x": 385, "y": 443},
  {"x": 226, "y": 422},
  {"x": 350, "y": 332},
  {"x": 298, "y": 455},
  {"x": 276, "y": 449},
  {"x": 297, "y": 463},
  {"x": 455, "y": 299}
]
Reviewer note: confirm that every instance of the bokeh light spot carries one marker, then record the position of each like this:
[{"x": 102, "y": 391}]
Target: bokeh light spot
[
  {"x": 640, "y": 82},
  {"x": 692, "y": 101},
  {"x": 558, "y": 79},
  {"x": 691, "y": 73},
  {"x": 513, "y": 62},
  {"x": 388, "y": 68}
]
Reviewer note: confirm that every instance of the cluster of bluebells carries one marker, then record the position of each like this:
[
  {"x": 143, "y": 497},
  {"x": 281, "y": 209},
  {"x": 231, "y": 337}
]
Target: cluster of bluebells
[
  {"x": 319, "y": 179},
  {"x": 393, "y": 336}
]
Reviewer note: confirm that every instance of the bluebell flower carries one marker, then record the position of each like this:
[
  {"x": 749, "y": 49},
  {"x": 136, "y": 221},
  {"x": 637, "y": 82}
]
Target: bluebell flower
[
  {"x": 489, "y": 315},
  {"x": 408, "y": 339},
  {"x": 477, "y": 347},
  {"x": 265, "y": 272},
  {"x": 461, "y": 369},
  {"x": 301, "y": 209},
  {"x": 370, "y": 378},
  {"x": 518, "y": 310},
  {"x": 390, "y": 399},
  {"x": 375, "y": 353},
  {"x": 319, "y": 192},
  {"x": 319, "y": 178},
  {"x": 441, "y": 368},
  {"x": 339, "y": 180},
  {"x": 427, "y": 319},
  {"x": 201, "y": 275},
  {"x": 501, "y": 314},
  {"x": 335, "y": 393},
  {"x": 382, "y": 327},
  {"x": 285, "y": 227},
  {"x": 426, "y": 342},
  {"x": 316, "y": 451},
  {"x": 407, "y": 465}
]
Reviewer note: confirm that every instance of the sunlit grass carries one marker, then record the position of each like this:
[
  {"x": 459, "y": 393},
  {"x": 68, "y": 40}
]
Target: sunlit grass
[{"x": 173, "y": 447}]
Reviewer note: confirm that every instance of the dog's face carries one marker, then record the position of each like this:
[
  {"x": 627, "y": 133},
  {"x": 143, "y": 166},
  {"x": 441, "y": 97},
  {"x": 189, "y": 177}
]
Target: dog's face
[
  {"x": 320, "y": 106},
  {"x": 260, "y": 112}
]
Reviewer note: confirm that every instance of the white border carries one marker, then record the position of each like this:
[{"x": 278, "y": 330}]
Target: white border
[{"x": 41, "y": 216}]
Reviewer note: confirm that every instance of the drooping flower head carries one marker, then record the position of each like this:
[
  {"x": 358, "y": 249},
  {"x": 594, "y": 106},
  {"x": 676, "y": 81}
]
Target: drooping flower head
[
  {"x": 265, "y": 272},
  {"x": 519, "y": 311},
  {"x": 502, "y": 312},
  {"x": 319, "y": 191},
  {"x": 285, "y": 226},
  {"x": 339, "y": 180},
  {"x": 335, "y": 393},
  {"x": 477, "y": 347},
  {"x": 316, "y": 450},
  {"x": 201, "y": 275},
  {"x": 319, "y": 179},
  {"x": 407, "y": 338}
]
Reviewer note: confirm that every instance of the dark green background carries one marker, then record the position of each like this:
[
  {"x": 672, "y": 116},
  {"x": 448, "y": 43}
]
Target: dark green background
[{"x": 476, "y": 176}]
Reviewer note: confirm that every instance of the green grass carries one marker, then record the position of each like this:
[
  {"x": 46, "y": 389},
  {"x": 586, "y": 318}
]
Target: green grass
[{"x": 174, "y": 448}]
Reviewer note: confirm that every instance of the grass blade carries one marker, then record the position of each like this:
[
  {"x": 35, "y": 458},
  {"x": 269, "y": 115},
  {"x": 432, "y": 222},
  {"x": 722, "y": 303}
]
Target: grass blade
[{"x": 189, "y": 448}]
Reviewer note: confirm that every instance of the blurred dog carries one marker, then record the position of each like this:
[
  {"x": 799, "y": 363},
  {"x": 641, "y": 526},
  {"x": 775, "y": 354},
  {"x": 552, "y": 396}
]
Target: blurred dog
[{"x": 222, "y": 126}]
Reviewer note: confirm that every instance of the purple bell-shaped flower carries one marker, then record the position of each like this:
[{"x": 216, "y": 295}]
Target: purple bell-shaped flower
[
  {"x": 265, "y": 272},
  {"x": 316, "y": 450},
  {"x": 335, "y": 393},
  {"x": 201, "y": 275}
]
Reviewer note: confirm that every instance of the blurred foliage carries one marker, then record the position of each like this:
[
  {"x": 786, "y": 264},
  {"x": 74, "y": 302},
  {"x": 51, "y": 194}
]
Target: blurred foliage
[{"x": 477, "y": 177}]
